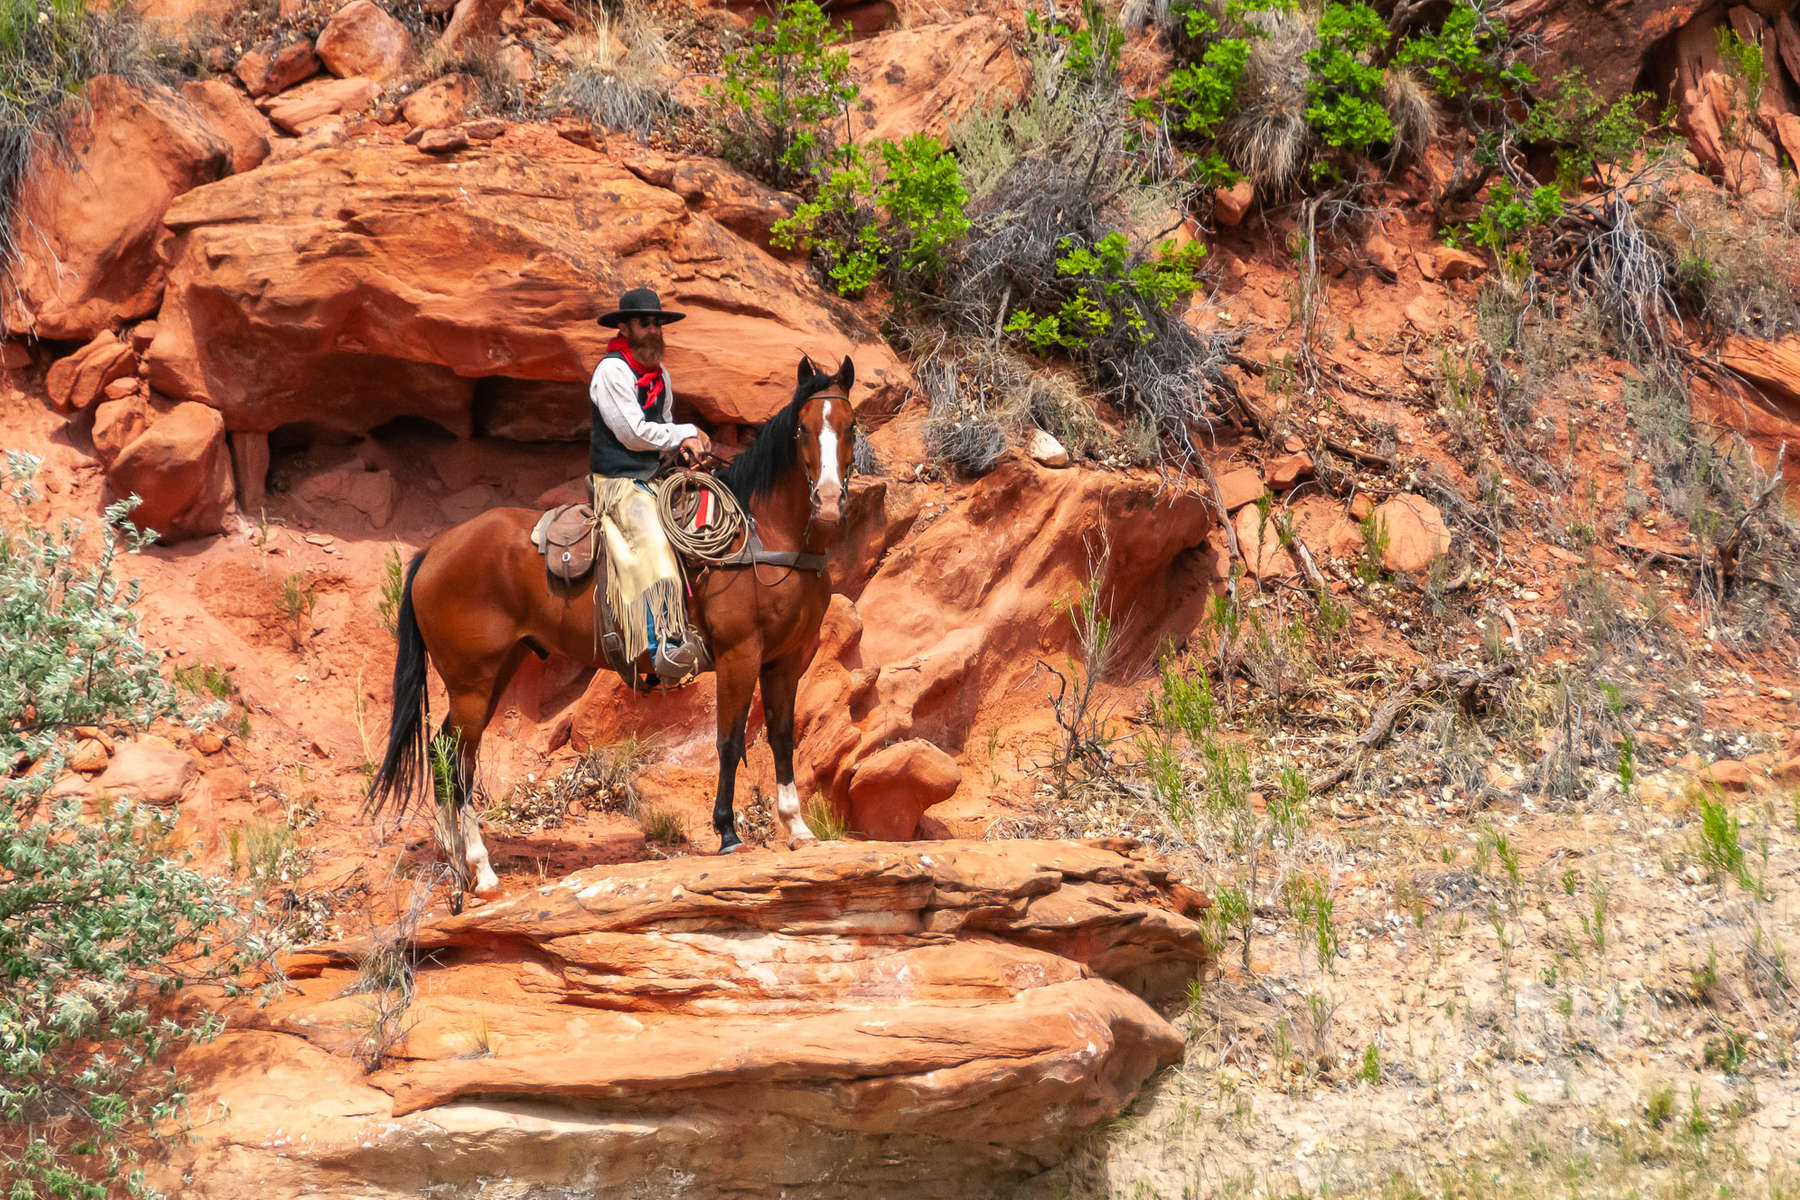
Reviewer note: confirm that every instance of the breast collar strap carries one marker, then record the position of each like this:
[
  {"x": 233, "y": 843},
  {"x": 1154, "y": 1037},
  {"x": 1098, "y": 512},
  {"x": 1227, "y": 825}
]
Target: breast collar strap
[{"x": 753, "y": 554}]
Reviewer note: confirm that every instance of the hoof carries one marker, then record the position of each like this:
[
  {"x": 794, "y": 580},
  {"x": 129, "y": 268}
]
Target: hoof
[
  {"x": 487, "y": 889},
  {"x": 731, "y": 845}
]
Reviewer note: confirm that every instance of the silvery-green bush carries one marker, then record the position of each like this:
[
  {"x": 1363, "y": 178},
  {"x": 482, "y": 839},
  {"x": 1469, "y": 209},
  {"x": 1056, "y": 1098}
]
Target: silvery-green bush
[{"x": 99, "y": 921}]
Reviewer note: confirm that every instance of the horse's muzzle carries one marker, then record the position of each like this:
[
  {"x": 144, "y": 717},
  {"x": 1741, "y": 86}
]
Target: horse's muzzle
[{"x": 828, "y": 505}]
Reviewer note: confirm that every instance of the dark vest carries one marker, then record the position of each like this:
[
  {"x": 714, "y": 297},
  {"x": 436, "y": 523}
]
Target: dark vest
[{"x": 607, "y": 455}]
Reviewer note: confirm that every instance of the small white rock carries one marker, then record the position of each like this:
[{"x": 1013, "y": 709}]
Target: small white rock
[{"x": 1047, "y": 450}]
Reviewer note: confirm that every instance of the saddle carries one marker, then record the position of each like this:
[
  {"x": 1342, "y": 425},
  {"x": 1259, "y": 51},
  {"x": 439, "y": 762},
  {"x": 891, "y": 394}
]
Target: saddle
[{"x": 568, "y": 537}]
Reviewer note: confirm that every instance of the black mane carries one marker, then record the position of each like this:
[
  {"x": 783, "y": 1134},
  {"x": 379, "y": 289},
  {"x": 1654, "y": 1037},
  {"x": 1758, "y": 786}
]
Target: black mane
[{"x": 754, "y": 472}]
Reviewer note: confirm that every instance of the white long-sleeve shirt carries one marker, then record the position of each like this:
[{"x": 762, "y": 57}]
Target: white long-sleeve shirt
[{"x": 614, "y": 393}]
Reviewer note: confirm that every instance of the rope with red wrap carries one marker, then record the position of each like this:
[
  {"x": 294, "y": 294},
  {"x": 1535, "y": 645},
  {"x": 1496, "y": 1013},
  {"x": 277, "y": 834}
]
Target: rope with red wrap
[{"x": 700, "y": 515}]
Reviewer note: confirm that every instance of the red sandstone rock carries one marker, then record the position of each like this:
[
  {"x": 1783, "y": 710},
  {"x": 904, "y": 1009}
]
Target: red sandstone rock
[
  {"x": 311, "y": 104},
  {"x": 1450, "y": 262},
  {"x": 926, "y": 1021},
  {"x": 443, "y": 101},
  {"x": 486, "y": 129},
  {"x": 1289, "y": 469},
  {"x": 970, "y": 607},
  {"x": 179, "y": 466},
  {"x": 894, "y": 787},
  {"x": 233, "y": 118},
  {"x": 1240, "y": 487},
  {"x": 91, "y": 258},
  {"x": 117, "y": 423},
  {"x": 475, "y": 21},
  {"x": 89, "y": 757},
  {"x": 1231, "y": 205},
  {"x": 1258, "y": 539},
  {"x": 443, "y": 141},
  {"x": 739, "y": 203},
  {"x": 149, "y": 771},
  {"x": 1606, "y": 40},
  {"x": 269, "y": 67},
  {"x": 362, "y": 39},
  {"x": 76, "y": 382},
  {"x": 327, "y": 133},
  {"x": 1416, "y": 533},
  {"x": 14, "y": 356},
  {"x": 925, "y": 78},
  {"x": 497, "y": 263}
]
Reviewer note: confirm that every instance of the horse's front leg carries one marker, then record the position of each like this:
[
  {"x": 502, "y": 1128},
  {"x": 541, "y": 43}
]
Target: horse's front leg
[
  {"x": 736, "y": 674},
  {"x": 780, "y": 681}
]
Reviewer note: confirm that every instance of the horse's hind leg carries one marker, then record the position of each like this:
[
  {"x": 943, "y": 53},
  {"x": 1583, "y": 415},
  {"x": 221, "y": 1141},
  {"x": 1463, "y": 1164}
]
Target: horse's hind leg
[
  {"x": 471, "y": 708},
  {"x": 780, "y": 680}
]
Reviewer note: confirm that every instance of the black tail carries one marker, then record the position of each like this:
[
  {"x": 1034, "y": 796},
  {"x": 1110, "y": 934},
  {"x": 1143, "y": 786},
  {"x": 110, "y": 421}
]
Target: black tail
[{"x": 403, "y": 769}]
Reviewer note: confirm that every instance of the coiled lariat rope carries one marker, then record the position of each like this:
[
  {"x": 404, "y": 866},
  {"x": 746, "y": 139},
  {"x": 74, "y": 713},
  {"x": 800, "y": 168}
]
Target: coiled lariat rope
[{"x": 678, "y": 499}]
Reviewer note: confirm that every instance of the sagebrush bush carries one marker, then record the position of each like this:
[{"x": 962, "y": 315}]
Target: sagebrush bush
[{"x": 97, "y": 918}]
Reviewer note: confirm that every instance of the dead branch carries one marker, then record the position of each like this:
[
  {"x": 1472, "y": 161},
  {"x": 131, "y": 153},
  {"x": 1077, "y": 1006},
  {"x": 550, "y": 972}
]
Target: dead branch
[
  {"x": 1466, "y": 681},
  {"x": 1231, "y": 539}
]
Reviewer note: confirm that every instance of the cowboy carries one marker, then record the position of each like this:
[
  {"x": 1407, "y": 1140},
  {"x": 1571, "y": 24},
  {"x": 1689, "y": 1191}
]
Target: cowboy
[{"x": 632, "y": 434}]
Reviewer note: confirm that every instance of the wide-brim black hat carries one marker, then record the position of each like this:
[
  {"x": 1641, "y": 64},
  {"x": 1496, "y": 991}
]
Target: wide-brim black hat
[{"x": 640, "y": 302}]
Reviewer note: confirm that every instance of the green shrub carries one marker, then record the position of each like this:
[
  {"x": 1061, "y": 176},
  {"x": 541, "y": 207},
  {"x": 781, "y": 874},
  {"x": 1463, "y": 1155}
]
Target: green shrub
[
  {"x": 1115, "y": 294},
  {"x": 1343, "y": 97},
  {"x": 899, "y": 224},
  {"x": 1745, "y": 62},
  {"x": 781, "y": 89},
  {"x": 96, "y": 918}
]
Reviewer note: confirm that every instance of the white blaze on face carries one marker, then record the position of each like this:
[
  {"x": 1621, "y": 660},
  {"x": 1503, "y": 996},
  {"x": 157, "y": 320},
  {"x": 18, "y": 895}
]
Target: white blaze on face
[
  {"x": 486, "y": 884},
  {"x": 787, "y": 813},
  {"x": 828, "y": 453}
]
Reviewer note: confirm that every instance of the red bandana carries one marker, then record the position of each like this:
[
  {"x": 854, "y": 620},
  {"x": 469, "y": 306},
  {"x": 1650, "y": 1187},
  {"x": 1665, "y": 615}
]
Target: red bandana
[{"x": 649, "y": 379}]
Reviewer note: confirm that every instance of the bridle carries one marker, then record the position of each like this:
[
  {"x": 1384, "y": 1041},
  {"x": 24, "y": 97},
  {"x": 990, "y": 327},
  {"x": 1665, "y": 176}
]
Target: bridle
[{"x": 812, "y": 485}]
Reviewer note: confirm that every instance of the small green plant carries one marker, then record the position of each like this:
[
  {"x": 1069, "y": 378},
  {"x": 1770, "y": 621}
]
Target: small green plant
[
  {"x": 1374, "y": 534},
  {"x": 1720, "y": 846},
  {"x": 295, "y": 604},
  {"x": 780, "y": 91},
  {"x": 1745, "y": 62},
  {"x": 1309, "y": 903},
  {"x": 1343, "y": 95},
  {"x": 393, "y": 587},
  {"x": 204, "y": 679},
  {"x": 1370, "y": 1070}
]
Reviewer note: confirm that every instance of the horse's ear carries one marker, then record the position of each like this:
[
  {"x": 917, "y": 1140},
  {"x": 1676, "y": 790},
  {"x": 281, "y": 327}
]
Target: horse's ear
[
  {"x": 807, "y": 370},
  {"x": 846, "y": 375}
]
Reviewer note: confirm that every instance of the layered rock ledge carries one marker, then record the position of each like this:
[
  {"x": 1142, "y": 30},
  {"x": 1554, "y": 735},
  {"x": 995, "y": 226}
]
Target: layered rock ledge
[{"x": 922, "y": 1019}]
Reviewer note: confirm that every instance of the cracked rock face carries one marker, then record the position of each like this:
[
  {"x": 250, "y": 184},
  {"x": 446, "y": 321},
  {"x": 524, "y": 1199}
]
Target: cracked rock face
[{"x": 924, "y": 1019}]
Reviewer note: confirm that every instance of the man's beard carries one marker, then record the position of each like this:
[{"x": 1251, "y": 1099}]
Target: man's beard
[{"x": 647, "y": 348}]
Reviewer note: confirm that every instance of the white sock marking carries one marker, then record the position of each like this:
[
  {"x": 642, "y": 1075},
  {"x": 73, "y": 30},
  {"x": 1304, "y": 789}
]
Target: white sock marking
[
  {"x": 486, "y": 882},
  {"x": 787, "y": 813}
]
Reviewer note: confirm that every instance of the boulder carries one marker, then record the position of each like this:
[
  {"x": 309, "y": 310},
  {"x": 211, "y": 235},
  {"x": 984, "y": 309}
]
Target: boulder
[
  {"x": 443, "y": 141},
  {"x": 179, "y": 466},
  {"x": 969, "y": 604},
  {"x": 1450, "y": 262},
  {"x": 493, "y": 264},
  {"x": 77, "y": 381},
  {"x": 367, "y": 490},
  {"x": 1606, "y": 40},
  {"x": 1416, "y": 533},
  {"x": 149, "y": 771},
  {"x": 926, "y": 78},
  {"x": 1264, "y": 555},
  {"x": 1045, "y": 450},
  {"x": 89, "y": 222},
  {"x": 327, "y": 133},
  {"x": 14, "y": 356},
  {"x": 1240, "y": 487},
  {"x": 88, "y": 757},
  {"x": 271, "y": 67},
  {"x": 1231, "y": 205},
  {"x": 892, "y": 788},
  {"x": 473, "y": 22},
  {"x": 117, "y": 424},
  {"x": 925, "y": 1021},
  {"x": 444, "y": 101},
  {"x": 314, "y": 103},
  {"x": 233, "y": 118},
  {"x": 1289, "y": 469},
  {"x": 362, "y": 39}
]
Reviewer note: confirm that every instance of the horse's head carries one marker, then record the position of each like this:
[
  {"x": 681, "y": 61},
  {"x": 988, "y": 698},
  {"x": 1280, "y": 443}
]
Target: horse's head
[{"x": 824, "y": 432}]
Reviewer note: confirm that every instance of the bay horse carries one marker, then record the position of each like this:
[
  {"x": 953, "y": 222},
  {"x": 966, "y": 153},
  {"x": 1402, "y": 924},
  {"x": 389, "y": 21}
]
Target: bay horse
[{"x": 476, "y": 600}]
